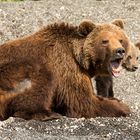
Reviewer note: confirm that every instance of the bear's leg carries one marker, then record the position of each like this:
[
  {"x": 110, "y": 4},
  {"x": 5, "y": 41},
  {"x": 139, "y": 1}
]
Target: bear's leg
[
  {"x": 111, "y": 107},
  {"x": 111, "y": 92},
  {"x": 101, "y": 86},
  {"x": 28, "y": 105},
  {"x": 108, "y": 107},
  {"x": 104, "y": 86},
  {"x": 33, "y": 102},
  {"x": 89, "y": 106}
]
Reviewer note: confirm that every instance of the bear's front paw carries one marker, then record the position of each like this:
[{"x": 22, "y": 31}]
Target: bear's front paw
[
  {"x": 113, "y": 108},
  {"x": 120, "y": 109}
]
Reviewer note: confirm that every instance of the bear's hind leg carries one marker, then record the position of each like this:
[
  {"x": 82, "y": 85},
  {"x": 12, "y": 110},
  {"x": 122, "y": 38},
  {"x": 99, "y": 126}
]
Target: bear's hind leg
[{"x": 37, "y": 99}]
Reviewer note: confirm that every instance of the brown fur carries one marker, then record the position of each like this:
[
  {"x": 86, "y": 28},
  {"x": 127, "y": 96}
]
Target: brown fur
[
  {"x": 131, "y": 61},
  {"x": 104, "y": 84},
  {"x": 62, "y": 59}
]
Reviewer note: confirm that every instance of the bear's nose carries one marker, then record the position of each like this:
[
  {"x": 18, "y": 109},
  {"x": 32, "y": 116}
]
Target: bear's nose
[{"x": 120, "y": 51}]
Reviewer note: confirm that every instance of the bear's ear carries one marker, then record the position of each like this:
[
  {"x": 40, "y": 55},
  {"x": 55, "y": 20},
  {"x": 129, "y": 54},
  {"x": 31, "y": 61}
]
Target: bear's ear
[
  {"x": 138, "y": 45},
  {"x": 119, "y": 23},
  {"x": 85, "y": 27}
]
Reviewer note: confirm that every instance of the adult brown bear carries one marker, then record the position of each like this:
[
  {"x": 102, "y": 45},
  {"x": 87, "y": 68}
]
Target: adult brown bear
[
  {"x": 59, "y": 61},
  {"x": 104, "y": 84}
]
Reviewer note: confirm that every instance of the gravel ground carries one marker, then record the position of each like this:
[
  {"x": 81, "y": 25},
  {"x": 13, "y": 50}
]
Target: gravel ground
[{"x": 21, "y": 18}]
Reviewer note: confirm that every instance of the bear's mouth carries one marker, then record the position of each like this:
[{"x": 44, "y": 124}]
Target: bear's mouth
[{"x": 116, "y": 67}]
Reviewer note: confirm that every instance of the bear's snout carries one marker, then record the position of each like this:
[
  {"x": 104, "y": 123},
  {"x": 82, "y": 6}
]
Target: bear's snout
[{"x": 120, "y": 52}]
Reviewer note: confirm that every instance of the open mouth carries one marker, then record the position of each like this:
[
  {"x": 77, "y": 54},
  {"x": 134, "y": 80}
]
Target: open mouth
[{"x": 116, "y": 67}]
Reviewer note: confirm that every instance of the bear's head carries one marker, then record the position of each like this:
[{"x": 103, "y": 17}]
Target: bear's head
[
  {"x": 104, "y": 47},
  {"x": 131, "y": 61}
]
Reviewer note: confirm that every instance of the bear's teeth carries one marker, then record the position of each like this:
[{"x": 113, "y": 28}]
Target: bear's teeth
[{"x": 116, "y": 72}]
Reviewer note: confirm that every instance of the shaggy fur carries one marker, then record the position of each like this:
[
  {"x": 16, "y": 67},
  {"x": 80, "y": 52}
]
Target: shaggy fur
[{"x": 59, "y": 62}]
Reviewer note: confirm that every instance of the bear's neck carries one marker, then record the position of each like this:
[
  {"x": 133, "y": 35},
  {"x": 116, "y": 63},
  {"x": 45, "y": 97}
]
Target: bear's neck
[{"x": 82, "y": 60}]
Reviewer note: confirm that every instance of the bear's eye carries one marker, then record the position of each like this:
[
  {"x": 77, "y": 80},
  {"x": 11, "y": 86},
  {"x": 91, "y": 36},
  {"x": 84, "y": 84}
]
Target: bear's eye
[
  {"x": 129, "y": 57},
  {"x": 137, "y": 58},
  {"x": 121, "y": 41},
  {"x": 105, "y": 42}
]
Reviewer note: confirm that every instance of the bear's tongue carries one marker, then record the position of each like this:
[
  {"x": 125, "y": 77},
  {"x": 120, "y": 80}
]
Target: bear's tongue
[{"x": 116, "y": 68}]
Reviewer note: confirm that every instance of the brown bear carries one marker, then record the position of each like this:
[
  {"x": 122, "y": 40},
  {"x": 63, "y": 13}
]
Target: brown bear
[
  {"x": 104, "y": 84},
  {"x": 131, "y": 61},
  {"x": 58, "y": 62}
]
